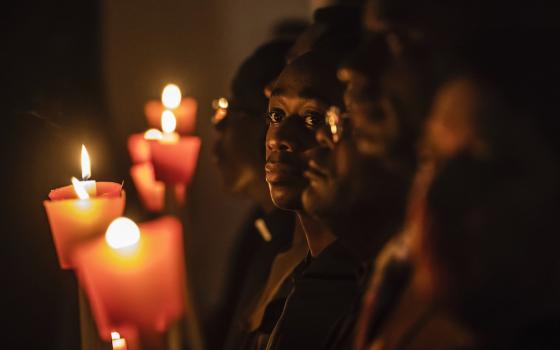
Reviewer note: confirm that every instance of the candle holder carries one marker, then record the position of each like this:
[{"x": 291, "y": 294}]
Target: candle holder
[
  {"x": 175, "y": 162},
  {"x": 135, "y": 287},
  {"x": 75, "y": 221}
]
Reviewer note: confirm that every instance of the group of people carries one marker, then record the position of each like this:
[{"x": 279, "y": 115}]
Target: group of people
[{"x": 402, "y": 156}]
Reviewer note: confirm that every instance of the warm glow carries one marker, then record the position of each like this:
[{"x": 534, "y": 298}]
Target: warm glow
[
  {"x": 171, "y": 96},
  {"x": 168, "y": 122},
  {"x": 86, "y": 164},
  {"x": 115, "y": 335},
  {"x": 79, "y": 188},
  {"x": 221, "y": 103},
  {"x": 122, "y": 233},
  {"x": 153, "y": 134}
]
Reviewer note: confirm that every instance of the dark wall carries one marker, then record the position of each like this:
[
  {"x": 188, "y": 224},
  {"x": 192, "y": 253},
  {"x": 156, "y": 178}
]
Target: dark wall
[{"x": 53, "y": 101}]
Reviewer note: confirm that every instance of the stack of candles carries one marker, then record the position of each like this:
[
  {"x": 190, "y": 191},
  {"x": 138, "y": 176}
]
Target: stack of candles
[
  {"x": 165, "y": 159},
  {"x": 133, "y": 275}
]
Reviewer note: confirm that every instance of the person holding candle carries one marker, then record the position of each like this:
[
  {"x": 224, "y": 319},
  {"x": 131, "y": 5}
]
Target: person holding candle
[{"x": 239, "y": 154}]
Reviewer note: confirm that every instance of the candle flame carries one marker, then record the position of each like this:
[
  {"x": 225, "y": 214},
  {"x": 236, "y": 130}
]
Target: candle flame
[
  {"x": 79, "y": 189},
  {"x": 171, "y": 96},
  {"x": 122, "y": 233},
  {"x": 115, "y": 335},
  {"x": 86, "y": 164},
  {"x": 220, "y": 103},
  {"x": 168, "y": 122},
  {"x": 153, "y": 134}
]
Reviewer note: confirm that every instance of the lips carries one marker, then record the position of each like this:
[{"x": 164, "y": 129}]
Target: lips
[
  {"x": 282, "y": 172},
  {"x": 283, "y": 167}
]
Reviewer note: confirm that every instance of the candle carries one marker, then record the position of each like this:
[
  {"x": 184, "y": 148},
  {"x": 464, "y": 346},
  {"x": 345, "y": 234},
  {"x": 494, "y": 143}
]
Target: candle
[
  {"x": 118, "y": 342},
  {"x": 134, "y": 276},
  {"x": 150, "y": 191},
  {"x": 220, "y": 106},
  {"x": 174, "y": 158},
  {"x": 81, "y": 211},
  {"x": 88, "y": 185},
  {"x": 184, "y": 108}
]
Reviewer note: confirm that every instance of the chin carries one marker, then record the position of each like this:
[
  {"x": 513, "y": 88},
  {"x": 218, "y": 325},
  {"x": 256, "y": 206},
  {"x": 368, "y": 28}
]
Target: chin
[{"x": 286, "y": 197}]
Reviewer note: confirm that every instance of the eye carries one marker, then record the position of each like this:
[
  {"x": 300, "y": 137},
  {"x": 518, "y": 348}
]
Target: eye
[
  {"x": 275, "y": 116},
  {"x": 314, "y": 119}
]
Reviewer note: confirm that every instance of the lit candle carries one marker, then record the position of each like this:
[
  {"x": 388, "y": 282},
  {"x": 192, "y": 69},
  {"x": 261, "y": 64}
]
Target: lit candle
[
  {"x": 168, "y": 125},
  {"x": 184, "y": 109},
  {"x": 134, "y": 276},
  {"x": 118, "y": 342},
  {"x": 174, "y": 158},
  {"x": 89, "y": 185},
  {"x": 220, "y": 106},
  {"x": 81, "y": 211}
]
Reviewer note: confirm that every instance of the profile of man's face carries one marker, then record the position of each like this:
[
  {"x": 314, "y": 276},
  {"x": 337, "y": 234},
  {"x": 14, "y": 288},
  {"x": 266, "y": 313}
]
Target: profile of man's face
[{"x": 297, "y": 107}]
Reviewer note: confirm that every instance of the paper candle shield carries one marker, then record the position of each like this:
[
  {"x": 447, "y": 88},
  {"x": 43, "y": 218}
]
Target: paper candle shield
[
  {"x": 175, "y": 162},
  {"x": 138, "y": 148},
  {"x": 150, "y": 191},
  {"x": 74, "y": 221},
  {"x": 140, "y": 290},
  {"x": 185, "y": 114}
]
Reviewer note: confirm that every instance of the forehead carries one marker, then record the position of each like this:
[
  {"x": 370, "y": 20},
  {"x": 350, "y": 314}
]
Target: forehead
[{"x": 309, "y": 77}]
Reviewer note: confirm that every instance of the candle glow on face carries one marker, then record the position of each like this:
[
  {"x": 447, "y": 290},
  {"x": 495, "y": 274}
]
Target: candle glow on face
[
  {"x": 86, "y": 164},
  {"x": 168, "y": 122},
  {"x": 122, "y": 233},
  {"x": 171, "y": 96}
]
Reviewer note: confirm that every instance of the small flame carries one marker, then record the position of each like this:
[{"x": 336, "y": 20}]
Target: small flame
[
  {"x": 168, "y": 122},
  {"x": 115, "y": 335},
  {"x": 171, "y": 96},
  {"x": 79, "y": 189},
  {"x": 122, "y": 233},
  {"x": 220, "y": 103},
  {"x": 153, "y": 134},
  {"x": 86, "y": 164}
]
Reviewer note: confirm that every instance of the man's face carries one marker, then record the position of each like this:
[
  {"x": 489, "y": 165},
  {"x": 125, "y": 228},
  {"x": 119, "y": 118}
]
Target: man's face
[
  {"x": 238, "y": 150},
  {"x": 363, "y": 176},
  {"x": 297, "y": 108}
]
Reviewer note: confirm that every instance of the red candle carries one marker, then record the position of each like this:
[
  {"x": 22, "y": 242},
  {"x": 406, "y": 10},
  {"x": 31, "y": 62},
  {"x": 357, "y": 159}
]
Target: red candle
[
  {"x": 134, "y": 277},
  {"x": 74, "y": 220},
  {"x": 184, "y": 108},
  {"x": 152, "y": 192},
  {"x": 174, "y": 158}
]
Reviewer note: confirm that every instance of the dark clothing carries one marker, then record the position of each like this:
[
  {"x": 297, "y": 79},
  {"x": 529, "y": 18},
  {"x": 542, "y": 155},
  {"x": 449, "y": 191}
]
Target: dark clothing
[
  {"x": 325, "y": 289},
  {"x": 395, "y": 277},
  {"x": 258, "y": 339},
  {"x": 250, "y": 269}
]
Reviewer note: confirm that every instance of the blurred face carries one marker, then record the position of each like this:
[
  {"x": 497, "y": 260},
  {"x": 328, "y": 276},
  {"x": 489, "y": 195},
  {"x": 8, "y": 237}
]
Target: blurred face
[
  {"x": 238, "y": 150},
  {"x": 361, "y": 175},
  {"x": 297, "y": 108}
]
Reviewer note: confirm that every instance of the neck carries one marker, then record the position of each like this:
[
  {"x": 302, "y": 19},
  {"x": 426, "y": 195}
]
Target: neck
[{"x": 318, "y": 235}]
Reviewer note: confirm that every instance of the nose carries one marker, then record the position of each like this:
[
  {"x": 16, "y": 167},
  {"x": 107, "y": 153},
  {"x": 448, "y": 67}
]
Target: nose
[
  {"x": 275, "y": 141},
  {"x": 290, "y": 135}
]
